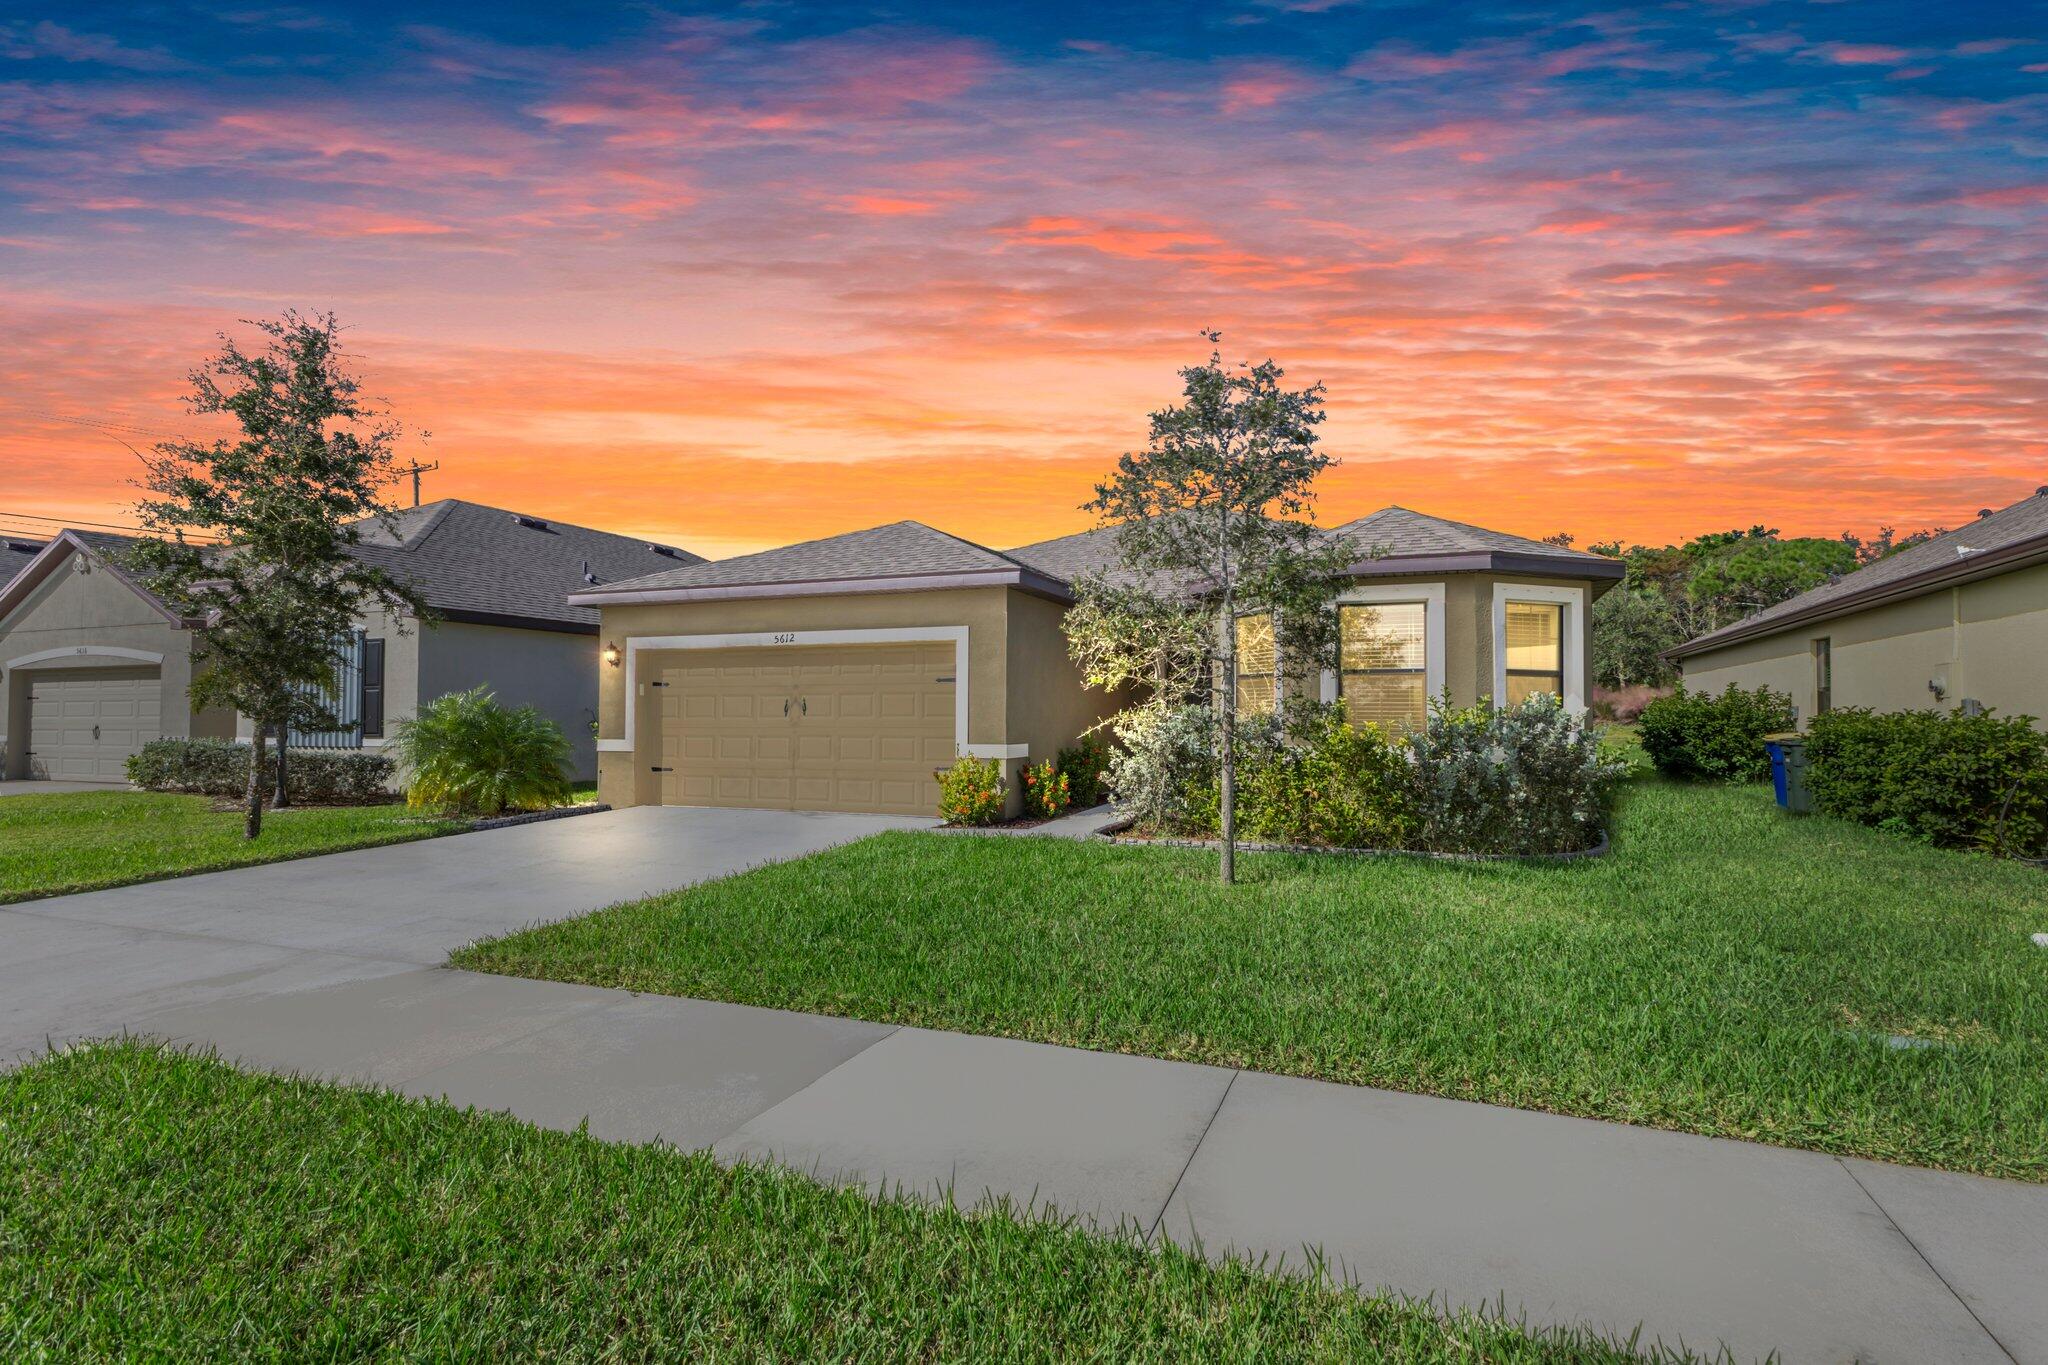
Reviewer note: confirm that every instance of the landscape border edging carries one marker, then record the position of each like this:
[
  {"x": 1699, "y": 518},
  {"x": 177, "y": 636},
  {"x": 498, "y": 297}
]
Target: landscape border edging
[
  {"x": 1114, "y": 834},
  {"x": 534, "y": 817}
]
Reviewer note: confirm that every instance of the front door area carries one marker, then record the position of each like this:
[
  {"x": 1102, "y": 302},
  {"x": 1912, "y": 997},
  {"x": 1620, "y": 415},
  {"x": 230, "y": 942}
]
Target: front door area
[{"x": 815, "y": 727}]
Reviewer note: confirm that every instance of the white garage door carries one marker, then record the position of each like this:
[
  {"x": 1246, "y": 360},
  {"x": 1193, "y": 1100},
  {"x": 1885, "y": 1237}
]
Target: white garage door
[
  {"x": 83, "y": 726},
  {"x": 832, "y": 727}
]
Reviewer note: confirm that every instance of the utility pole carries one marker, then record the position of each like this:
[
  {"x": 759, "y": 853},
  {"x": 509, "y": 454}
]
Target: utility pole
[{"x": 416, "y": 469}]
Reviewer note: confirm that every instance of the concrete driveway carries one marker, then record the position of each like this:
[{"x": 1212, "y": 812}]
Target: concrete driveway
[{"x": 104, "y": 961}]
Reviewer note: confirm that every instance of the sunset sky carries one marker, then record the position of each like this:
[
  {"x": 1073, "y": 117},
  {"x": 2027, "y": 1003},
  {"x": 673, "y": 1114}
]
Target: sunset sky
[{"x": 740, "y": 276}]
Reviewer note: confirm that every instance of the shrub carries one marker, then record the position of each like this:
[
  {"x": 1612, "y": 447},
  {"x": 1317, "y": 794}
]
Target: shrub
[
  {"x": 1085, "y": 766},
  {"x": 1163, "y": 755},
  {"x": 1625, "y": 703},
  {"x": 220, "y": 767},
  {"x": 1701, "y": 737},
  {"x": 971, "y": 792},
  {"x": 1521, "y": 779},
  {"x": 1952, "y": 780},
  {"x": 1048, "y": 793},
  {"x": 465, "y": 753},
  {"x": 1330, "y": 783}
]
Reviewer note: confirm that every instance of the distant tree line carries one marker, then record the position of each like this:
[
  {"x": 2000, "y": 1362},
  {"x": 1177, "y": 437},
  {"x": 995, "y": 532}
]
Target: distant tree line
[{"x": 1672, "y": 593}]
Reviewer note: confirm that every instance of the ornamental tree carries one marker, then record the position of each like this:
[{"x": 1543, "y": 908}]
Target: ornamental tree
[
  {"x": 1211, "y": 522},
  {"x": 279, "y": 591}
]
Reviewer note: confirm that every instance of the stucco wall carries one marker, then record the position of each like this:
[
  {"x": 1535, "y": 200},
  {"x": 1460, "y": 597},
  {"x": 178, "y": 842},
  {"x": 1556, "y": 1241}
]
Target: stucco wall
[
  {"x": 1986, "y": 641},
  {"x": 1049, "y": 708},
  {"x": 70, "y": 610},
  {"x": 554, "y": 672},
  {"x": 984, "y": 611}
]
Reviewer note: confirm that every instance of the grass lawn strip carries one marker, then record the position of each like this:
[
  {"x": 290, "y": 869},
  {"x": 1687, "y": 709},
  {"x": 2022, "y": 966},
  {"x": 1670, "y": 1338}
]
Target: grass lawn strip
[
  {"x": 1724, "y": 970},
  {"x": 86, "y": 841},
  {"x": 155, "y": 1203}
]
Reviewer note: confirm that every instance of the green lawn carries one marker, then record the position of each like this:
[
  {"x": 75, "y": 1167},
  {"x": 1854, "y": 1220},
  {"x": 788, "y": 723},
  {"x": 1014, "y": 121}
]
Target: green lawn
[
  {"x": 80, "y": 841},
  {"x": 158, "y": 1205},
  {"x": 1726, "y": 970}
]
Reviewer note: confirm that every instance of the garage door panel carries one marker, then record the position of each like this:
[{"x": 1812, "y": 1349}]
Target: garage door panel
[
  {"x": 85, "y": 726},
  {"x": 813, "y": 727}
]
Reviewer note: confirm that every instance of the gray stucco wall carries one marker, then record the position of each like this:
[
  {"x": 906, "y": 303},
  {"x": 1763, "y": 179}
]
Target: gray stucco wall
[{"x": 553, "y": 671}]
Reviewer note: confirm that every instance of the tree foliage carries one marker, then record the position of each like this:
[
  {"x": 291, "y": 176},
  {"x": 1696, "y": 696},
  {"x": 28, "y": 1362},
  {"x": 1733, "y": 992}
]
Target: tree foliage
[
  {"x": 279, "y": 592},
  {"x": 1212, "y": 521}
]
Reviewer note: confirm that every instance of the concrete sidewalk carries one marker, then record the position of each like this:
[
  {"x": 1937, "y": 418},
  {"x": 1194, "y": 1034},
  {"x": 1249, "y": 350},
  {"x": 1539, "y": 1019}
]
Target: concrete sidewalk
[
  {"x": 322, "y": 967},
  {"x": 1702, "y": 1241}
]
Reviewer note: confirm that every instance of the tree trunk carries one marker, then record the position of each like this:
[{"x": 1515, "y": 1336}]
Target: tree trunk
[
  {"x": 280, "y": 796},
  {"x": 252, "y": 799},
  {"x": 1227, "y": 812}
]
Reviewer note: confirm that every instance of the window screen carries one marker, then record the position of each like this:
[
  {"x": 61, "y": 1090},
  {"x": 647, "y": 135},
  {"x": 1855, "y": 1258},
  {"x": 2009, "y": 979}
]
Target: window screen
[
  {"x": 1382, "y": 657},
  {"x": 1535, "y": 637},
  {"x": 1257, "y": 664}
]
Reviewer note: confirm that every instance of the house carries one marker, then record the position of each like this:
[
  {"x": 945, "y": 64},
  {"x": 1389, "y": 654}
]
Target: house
[
  {"x": 92, "y": 665},
  {"x": 1960, "y": 620},
  {"x": 838, "y": 674}
]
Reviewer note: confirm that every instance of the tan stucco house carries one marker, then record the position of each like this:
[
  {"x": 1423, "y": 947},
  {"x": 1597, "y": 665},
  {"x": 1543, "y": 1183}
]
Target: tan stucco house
[
  {"x": 838, "y": 674},
  {"x": 92, "y": 665},
  {"x": 1957, "y": 621}
]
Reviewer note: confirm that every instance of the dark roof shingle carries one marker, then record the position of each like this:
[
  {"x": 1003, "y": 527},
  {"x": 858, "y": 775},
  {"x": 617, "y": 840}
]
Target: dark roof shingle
[{"x": 903, "y": 549}]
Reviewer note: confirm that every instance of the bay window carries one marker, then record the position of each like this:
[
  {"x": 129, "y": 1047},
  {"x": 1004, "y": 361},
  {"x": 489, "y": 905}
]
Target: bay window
[
  {"x": 1535, "y": 650},
  {"x": 1258, "y": 665},
  {"x": 1382, "y": 663}
]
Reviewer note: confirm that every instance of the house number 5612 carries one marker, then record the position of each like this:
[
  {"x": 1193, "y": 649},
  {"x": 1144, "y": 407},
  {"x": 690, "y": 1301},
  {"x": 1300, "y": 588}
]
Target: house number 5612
[{"x": 786, "y": 638}]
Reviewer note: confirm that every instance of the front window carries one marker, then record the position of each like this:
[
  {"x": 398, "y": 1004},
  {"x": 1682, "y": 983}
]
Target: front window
[
  {"x": 1258, "y": 664},
  {"x": 1535, "y": 639},
  {"x": 1823, "y": 676},
  {"x": 1381, "y": 655}
]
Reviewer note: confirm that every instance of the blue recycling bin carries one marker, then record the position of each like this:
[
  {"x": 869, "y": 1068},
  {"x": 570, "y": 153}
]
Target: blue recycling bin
[{"x": 1788, "y": 771}]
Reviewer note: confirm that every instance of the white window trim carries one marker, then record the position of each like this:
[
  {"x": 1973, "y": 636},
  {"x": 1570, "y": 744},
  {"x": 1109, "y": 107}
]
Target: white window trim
[
  {"x": 781, "y": 639},
  {"x": 1431, "y": 596},
  {"x": 1574, "y": 600}
]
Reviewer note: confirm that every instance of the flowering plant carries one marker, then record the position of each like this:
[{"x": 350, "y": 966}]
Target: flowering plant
[{"x": 1047, "y": 790}]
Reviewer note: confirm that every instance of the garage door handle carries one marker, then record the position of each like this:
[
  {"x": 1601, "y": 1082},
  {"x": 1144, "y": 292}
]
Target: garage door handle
[
  {"x": 661, "y": 770},
  {"x": 804, "y": 706},
  {"x": 95, "y": 732},
  {"x": 785, "y": 706}
]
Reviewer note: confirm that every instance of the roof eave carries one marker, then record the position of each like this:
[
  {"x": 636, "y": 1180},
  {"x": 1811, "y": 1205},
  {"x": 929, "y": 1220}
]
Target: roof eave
[
  {"x": 2019, "y": 554},
  {"x": 1042, "y": 585},
  {"x": 1489, "y": 561}
]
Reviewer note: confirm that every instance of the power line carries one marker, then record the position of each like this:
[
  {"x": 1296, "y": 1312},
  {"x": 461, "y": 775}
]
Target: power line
[{"x": 104, "y": 424}]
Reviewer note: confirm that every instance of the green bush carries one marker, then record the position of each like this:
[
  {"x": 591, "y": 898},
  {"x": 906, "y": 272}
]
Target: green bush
[
  {"x": 971, "y": 792},
  {"x": 1048, "y": 792},
  {"x": 1524, "y": 779},
  {"x": 466, "y": 754},
  {"x": 1330, "y": 783},
  {"x": 1952, "y": 780},
  {"x": 220, "y": 767},
  {"x": 1698, "y": 736},
  {"x": 1086, "y": 765}
]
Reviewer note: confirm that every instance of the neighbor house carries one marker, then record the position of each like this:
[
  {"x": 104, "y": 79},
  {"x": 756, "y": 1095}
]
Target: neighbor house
[
  {"x": 92, "y": 665},
  {"x": 1957, "y": 621},
  {"x": 839, "y": 674}
]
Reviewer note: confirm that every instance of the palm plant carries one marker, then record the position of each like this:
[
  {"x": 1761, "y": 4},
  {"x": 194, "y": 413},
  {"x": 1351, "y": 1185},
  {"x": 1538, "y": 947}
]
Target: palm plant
[{"x": 465, "y": 753}]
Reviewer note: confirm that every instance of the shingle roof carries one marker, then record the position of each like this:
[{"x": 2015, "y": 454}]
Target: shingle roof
[
  {"x": 15, "y": 553},
  {"x": 1962, "y": 552},
  {"x": 467, "y": 559},
  {"x": 903, "y": 549},
  {"x": 1403, "y": 533}
]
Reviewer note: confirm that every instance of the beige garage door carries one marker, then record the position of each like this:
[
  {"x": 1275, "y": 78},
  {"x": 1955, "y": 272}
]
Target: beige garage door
[
  {"x": 84, "y": 726},
  {"x": 830, "y": 727}
]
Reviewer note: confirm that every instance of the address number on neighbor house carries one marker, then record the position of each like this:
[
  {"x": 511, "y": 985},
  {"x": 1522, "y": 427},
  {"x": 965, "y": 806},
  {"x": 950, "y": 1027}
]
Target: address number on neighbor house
[{"x": 787, "y": 637}]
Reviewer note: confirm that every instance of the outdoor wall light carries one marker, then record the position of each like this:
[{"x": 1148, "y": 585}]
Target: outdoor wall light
[{"x": 611, "y": 654}]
